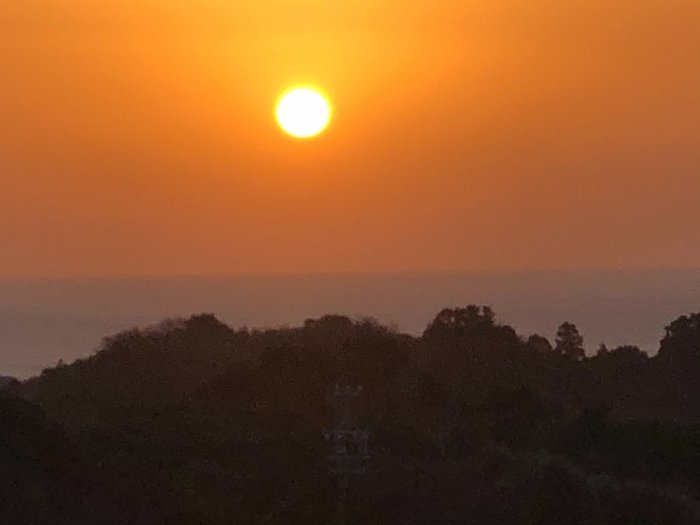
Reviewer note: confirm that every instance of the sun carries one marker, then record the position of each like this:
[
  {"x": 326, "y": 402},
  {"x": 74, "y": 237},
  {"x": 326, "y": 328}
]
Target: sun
[{"x": 303, "y": 112}]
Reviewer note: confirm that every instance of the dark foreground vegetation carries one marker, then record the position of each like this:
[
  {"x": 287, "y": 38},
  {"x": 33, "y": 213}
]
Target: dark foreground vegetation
[{"x": 192, "y": 422}]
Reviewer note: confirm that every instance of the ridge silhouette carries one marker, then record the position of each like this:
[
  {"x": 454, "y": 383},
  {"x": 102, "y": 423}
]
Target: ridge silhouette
[{"x": 192, "y": 421}]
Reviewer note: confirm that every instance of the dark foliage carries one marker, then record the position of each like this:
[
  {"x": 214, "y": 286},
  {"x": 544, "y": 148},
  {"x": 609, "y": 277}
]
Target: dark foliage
[
  {"x": 191, "y": 421},
  {"x": 569, "y": 341}
]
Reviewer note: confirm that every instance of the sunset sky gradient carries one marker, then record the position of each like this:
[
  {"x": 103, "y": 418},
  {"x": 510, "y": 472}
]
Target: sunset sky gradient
[{"x": 138, "y": 137}]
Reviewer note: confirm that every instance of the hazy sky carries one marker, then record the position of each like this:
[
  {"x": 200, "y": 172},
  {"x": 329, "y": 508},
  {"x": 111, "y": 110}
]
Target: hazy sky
[{"x": 137, "y": 137}]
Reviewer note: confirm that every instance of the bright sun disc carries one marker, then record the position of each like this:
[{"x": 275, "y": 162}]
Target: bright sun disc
[{"x": 303, "y": 113}]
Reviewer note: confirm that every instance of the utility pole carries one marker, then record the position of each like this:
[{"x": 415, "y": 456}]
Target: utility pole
[{"x": 349, "y": 444}]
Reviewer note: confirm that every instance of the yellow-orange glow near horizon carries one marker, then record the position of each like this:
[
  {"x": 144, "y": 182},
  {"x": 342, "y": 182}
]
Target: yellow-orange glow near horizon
[{"x": 303, "y": 113}]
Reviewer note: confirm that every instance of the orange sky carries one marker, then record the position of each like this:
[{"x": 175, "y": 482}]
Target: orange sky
[{"x": 137, "y": 136}]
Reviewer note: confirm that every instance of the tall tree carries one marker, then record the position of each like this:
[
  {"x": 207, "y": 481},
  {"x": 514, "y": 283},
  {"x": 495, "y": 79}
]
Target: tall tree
[{"x": 569, "y": 341}]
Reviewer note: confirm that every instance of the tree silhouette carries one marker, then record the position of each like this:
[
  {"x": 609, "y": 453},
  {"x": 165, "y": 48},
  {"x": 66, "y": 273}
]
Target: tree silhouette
[
  {"x": 681, "y": 344},
  {"x": 569, "y": 342},
  {"x": 539, "y": 344},
  {"x": 460, "y": 322},
  {"x": 190, "y": 421}
]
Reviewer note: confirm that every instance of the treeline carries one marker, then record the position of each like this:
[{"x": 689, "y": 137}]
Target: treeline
[{"x": 191, "y": 421}]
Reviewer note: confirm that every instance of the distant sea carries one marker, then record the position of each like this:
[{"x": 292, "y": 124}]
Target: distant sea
[{"x": 42, "y": 321}]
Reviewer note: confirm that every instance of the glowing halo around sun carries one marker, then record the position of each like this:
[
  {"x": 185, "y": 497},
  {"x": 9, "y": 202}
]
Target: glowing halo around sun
[{"x": 303, "y": 112}]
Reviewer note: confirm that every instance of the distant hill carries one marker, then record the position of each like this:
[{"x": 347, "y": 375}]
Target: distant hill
[{"x": 193, "y": 421}]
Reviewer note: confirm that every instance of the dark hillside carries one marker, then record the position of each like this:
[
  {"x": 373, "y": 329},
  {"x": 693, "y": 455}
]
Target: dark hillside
[{"x": 192, "y": 421}]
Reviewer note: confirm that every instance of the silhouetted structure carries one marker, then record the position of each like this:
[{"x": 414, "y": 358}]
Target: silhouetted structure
[{"x": 349, "y": 442}]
